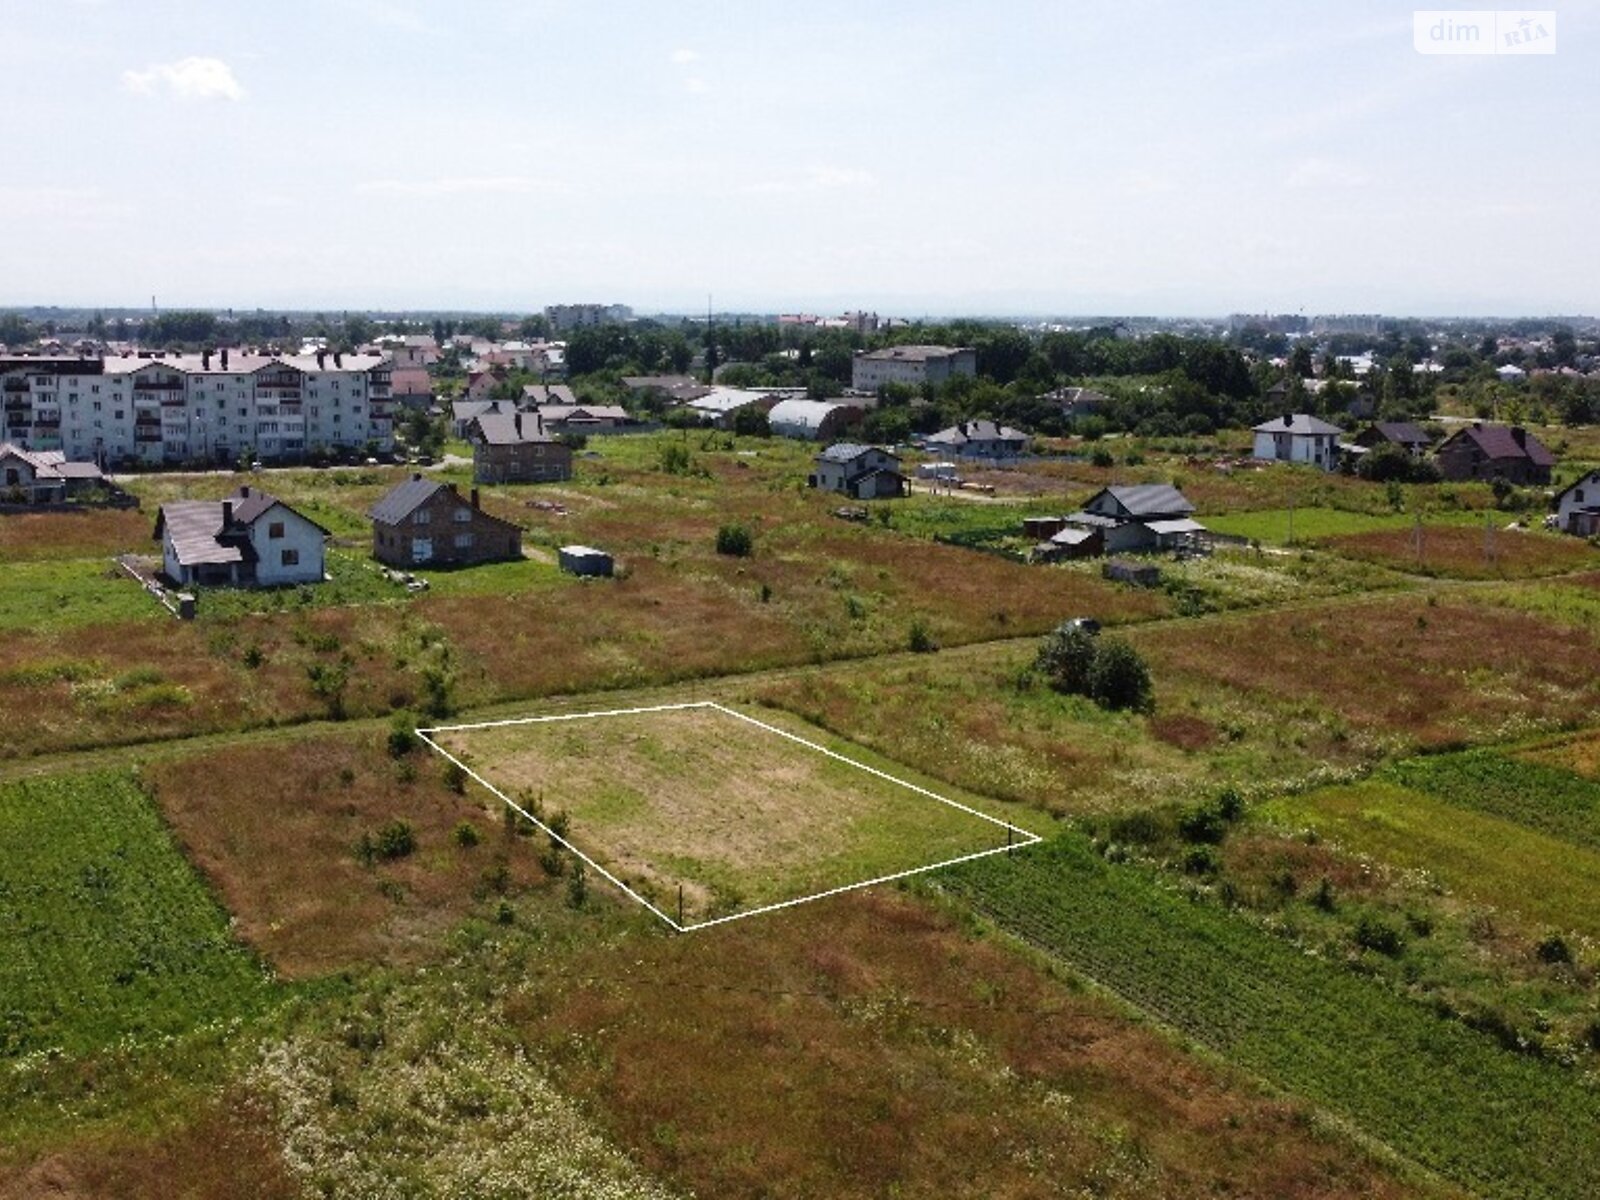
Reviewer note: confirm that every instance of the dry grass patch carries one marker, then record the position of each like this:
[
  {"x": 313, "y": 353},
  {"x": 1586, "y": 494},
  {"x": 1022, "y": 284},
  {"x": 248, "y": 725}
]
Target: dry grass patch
[
  {"x": 90, "y": 533},
  {"x": 1423, "y": 674},
  {"x": 1463, "y": 552},
  {"x": 736, "y": 815},
  {"x": 868, "y": 1047},
  {"x": 276, "y": 829},
  {"x": 226, "y": 1150}
]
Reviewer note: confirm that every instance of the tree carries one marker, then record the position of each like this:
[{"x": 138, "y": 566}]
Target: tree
[
  {"x": 751, "y": 420},
  {"x": 735, "y": 541},
  {"x": 14, "y": 331}
]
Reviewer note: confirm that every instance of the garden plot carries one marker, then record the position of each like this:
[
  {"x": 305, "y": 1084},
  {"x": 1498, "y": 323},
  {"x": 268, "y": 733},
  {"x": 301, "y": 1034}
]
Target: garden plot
[{"x": 706, "y": 813}]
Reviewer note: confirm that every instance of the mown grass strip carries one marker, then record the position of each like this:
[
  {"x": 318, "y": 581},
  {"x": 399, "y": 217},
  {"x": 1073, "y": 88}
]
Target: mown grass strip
[
  {"x": 1561, "y": 803},
  {"x": 1500, "y": 1124}
]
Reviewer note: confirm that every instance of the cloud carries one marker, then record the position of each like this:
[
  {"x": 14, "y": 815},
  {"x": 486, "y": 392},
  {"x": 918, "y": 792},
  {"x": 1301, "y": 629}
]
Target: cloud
[
  {"x": 684, "y": 57},
  {"x": 696, "y": 86},
  {"x": 460, "y": 185},
  {"x": 392, "y": 16},
  {"x": 1325, "y": 173},
  {"x": 187, "y": 79}
]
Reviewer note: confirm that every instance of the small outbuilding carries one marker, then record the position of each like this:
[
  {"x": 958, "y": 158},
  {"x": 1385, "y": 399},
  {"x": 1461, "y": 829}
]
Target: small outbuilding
[{"x": 586, "y": 560}]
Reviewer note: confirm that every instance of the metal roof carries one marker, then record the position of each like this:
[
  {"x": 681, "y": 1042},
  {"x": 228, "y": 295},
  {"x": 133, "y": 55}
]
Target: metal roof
[
  {"x": 1151, "y": 499},
  {"x": 1301, "y": 423},
  {"x": 193, "y": 527},
  {"x": 511, "y": 429},
  {"x": 844, "y": 452},
  {"x": 399, "y": 502},
  {"x": 1177, "y": 525}
]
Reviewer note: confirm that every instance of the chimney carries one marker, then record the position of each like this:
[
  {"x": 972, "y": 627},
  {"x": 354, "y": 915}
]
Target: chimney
[
  {"x": 416, "y": 477},
  {"x": 1288, "y": 420},
  {"x": 475, "y": 498},
  {"x": 321, "y": 355},
  {"x": 224, "y": 358},
  {"x": 227, "y": 514},
  {"x": 538, "y": 424},
  {"x": 336, "y": 357},
  {"x": 205, "y": 359},
  {"x": 1519, "y": 435},
  {"x": 244, "y": 492}
]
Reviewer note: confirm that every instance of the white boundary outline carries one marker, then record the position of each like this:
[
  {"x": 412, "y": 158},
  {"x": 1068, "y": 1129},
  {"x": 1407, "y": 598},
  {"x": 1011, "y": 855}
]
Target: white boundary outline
[{"x": 1027, "y": 838}]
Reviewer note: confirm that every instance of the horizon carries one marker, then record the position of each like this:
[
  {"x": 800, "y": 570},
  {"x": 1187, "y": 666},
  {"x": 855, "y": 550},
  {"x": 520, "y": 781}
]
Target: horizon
[{"x": 918, "y": 160}]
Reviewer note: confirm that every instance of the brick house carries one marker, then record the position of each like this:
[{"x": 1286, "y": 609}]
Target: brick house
[
  {"x": 1489, "y": 452},
  {"x": 516, "y": 447},
  {"x": 424, "y": 522}
]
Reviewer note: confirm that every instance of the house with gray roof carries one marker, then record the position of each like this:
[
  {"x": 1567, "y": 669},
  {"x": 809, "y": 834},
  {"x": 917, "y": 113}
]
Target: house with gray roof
[
  {"x": 1298, "y": 438},
  {"x": 977, "y": 439},
  {"x": 516, "y": 447},
  {"x": 860, "y": 472},
  {"x": 250, "y": 539},
  {"x": 42, "y": 476},
  {"x": 427, "y": 523},
  {"x": 1138, "y": 517}
]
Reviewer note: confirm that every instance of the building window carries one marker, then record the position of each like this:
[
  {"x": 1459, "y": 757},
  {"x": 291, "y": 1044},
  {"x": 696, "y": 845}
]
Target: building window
[
  {"x": 464, "y": 541},
  {"x": 420, "y": 517},
  {"x": 275, "y": 530},
  {"x": 421, "y": 549},
  {"x": 463, "y": 515},
  {"x": 290, "y": 558}
]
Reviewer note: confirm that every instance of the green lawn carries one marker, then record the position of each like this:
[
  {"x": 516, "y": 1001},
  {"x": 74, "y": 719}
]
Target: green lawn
[
  {"x": 70, "y": 593},
  {"x": 1537, "y": 796},
  {"x": 106, "y": 933},
  {"x": 1272, "y": 526},
  {"x": 1498, "y": 1123}
]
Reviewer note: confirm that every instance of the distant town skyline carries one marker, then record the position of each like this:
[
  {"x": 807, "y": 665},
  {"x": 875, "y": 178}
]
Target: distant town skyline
[{"x": 927, "y": 159}]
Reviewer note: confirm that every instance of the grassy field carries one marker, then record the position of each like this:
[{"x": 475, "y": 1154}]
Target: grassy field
[
  {"x": 107, "y": 935},
  {"x": 1547, "y": 798},
  {"x": 868, "y": 1046},
  {"x": 735, "y": 815},
  {"x": 1544, "y": 881},
  {"x": 277, "y": 831},
  {"x": 1467, "y": 552},
  {"x": 1306, "y": 526},
  {"x": 1496, "y": 1123}
]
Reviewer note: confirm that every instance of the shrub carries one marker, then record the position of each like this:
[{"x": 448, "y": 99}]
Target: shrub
[
  {"x": 735, "y": 541},
  {"x": 1203, "y": 824},
  {"x": 920, "y": 638},
  {"x": 674, "y": 458},
  {"x": 402, "y": 736},
  {"x": 465, "y": 835},
  {"x": 1065, "y": 658},
  {"x": 1201, "y": 860},
  {"x": 394, "y": 840},
  {"x": 1376, "y": 934},
  {"x": 1554, "y": 949},
  {"x": 577, "y": 885},
  {"x": 1118, "y": 677},
  {"x": 1103, "y": 457},
  {"x": 1324, "y": 898},
  {"x": 455, "y": 777}
]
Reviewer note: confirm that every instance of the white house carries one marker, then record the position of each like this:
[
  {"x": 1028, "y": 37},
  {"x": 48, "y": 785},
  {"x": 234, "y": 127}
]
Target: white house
[
  {"x": 250, "y": 539},
  {"x": 860, "y": 472},
  {"x": 1298, "y": 438},
  {"x": 1578, "y": 507},
  {"x": 977, "y": 439}
]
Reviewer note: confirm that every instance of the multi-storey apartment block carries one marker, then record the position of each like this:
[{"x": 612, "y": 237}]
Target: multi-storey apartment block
[{"x": 216, "y": 407}]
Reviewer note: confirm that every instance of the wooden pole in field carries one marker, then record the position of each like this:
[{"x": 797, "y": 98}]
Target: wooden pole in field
[{"x": 680, "y": 904}]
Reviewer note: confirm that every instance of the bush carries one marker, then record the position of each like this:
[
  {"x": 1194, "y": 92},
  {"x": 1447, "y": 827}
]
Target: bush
[
  {"x": 920, "y": 638},
  {"x": 465, "y": 835},
  {"x": 734, "y": 540},
  {"x": 1394, "y": 464},
  {"x": 1066, "y": 657},
  {"x": 1203, "y": 824},
  {"x": 1554, "y": 949},
  {"x": 1118, "y": 677},
  {"x": 402, "y": 736},
  {"x": 455, "y": 777},
  {"x": 1200, "y": 860},
  {"x": 394, "y": 840},
  {"x": 1107, "y": 670},
  {"x": 1102, "y": 457},
  {"x": 1373, "y": 933}
]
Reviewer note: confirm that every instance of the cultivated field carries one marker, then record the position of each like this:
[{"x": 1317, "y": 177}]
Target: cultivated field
[{"x": 735, "y": 815}]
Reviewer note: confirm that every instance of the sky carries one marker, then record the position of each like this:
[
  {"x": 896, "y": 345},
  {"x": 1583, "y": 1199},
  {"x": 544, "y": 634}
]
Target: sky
[{"x": 1008, "y": 157}]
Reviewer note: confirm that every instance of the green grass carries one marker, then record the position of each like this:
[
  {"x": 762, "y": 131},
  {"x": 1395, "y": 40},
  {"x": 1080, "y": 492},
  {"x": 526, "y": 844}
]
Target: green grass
[
  {"x": 1271, "y": 527},
  {"x": 1548, "y": 882},
  {"x": 1500, "y": 1124},
  {"x": 106, "y": 933},
  {"x": 1562, "y": 804},
  {"x": 70, "y": 593}
]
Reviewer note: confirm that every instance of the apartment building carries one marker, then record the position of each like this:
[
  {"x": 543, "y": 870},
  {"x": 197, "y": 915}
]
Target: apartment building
[
  {"x": 218, "y": 406},
  {"x": 912, "y": 365}
]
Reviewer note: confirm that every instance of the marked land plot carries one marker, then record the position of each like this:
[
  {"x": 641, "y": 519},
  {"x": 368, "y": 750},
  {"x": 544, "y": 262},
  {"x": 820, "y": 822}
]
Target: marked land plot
[{"x": 744, "y": 812}]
